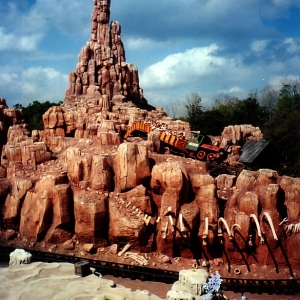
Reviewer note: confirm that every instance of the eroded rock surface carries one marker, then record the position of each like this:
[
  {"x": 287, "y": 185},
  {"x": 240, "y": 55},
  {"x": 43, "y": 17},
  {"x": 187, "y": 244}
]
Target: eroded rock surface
[
  {"x": 79, "y": 183},
  {"x": 102, "y": 71}
]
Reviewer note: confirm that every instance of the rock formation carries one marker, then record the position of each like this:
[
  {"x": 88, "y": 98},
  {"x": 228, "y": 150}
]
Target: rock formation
[
  {"x": 8, "y": 117},
  {"x": 189, "y": 285},
  {"x": 78, "y": 186},
  {"x": 102, "y": 71}
]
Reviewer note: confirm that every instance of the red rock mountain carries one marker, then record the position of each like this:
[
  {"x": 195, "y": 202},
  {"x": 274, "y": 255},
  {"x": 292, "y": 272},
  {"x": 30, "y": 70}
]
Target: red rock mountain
[
  {"x": 102, "y": 72},
  {"x": 77, "y": 186}
]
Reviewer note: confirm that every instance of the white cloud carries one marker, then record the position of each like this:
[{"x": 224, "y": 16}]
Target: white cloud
[
  {"x": 259, "y": 45},
  {"x": 203, "y": 70},
  {"x": 292, "y": 45},
  {"x": 234, "y": 89},
  {"x": 180, "y": 67},
  {"x": 70, "y": 17},
  {"x": 43, "y": 84},
  {"x": 277, "y": 81},
  {"x": 13, "y": 42},
  {"x": 157, "y": 99},
  {"x": 7, "y": 78},
  {"x": 140, "y": 43},
  {"x": 35, "y": 83},
  {"x": 201, "y": 67},
  {"x": 29, "y": 43}
]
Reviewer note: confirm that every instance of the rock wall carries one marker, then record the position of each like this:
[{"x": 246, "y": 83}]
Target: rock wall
[{"x": 172, "y": 206}]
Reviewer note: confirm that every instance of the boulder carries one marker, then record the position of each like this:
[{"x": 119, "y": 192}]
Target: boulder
[
  {"x": 13, "y": 203},
  {"x": 88, "y": 248},
  {"x": 68, "y": 245},
  {"x": 131, "y": 166},
  {"x": 45, "y": 211},
  {"x": 127, "y": 222},
  {"x": 91, "y": 217}
]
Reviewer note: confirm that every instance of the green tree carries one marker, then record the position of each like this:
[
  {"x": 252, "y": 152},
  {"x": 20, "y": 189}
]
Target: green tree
[
  {"x": 233, "y": 111},
  {"x": 33, "y": 113},
  {"x": 193, "y": 111},
  {"x": 249, "y": 111},
  {"x": 268, "y": 99},
  {"x": 227, "y": 107},
  {"x": 285, "y": 129},
  {"x": 213, "y": 122},
  {"x": 18, "y": 106},
  {"x": 225, "y": 111}
]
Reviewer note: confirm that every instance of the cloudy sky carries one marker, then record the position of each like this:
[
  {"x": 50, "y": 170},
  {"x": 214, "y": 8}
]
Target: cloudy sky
[{"x": 212, "y": 47}]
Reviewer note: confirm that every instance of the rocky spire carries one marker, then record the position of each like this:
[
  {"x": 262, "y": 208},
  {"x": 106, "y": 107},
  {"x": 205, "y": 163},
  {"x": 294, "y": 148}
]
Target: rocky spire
[{"x": 101, "y": 70}]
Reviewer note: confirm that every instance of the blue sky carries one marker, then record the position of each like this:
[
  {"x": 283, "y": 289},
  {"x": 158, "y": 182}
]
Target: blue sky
[{"x": 212, "y": 47}]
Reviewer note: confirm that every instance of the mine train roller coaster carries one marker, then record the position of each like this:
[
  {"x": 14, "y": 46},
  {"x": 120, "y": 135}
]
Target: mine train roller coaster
[{"x": 198, "y": 146}]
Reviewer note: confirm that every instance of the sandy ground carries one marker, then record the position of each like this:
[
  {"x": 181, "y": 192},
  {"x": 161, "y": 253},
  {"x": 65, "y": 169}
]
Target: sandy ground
[
  {"x": 57, "y": 280},
  {"x": 161, "y": 289}
]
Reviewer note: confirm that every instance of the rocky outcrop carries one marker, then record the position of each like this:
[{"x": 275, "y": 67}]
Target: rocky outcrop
[
  {"x": 206, "y": 199},
  {"x": 235, "y": 136},
  {"x": 77, "y": 186},
  {"x": 171, "y": 178},
  {"x": 165, "y": 205},
  {"x": 102, "y": 71},
  {"x": 104, "y": 96},
  {"x": 22, "y": 152},
  {"x": 88, "y": 171},
  {"x": 238, "y": 134},
  {"x": 8, "y": 117},
  {"x": 47, "y": 212},
  {"x": 131, "y": 166},
  {"x": 126, "y": 222},
  {"x": 91, "y": 215},
  {"x": 105, "y": 193},
  {"x": 103, "y": 87},
  {"x": 13, "y": 203}
]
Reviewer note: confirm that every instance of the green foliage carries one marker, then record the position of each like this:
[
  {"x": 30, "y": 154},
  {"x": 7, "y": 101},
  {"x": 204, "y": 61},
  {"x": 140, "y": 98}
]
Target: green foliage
[
  {"x": 18, "y": 106},
  {"x": 285, "y": 128},
  {"x": 33, "y": 113},
  {"x": 268, "y": 100},
  {"x": 227, "y": 111},
  {"x": 193, "y": 110},
  {"x": 246, "y": 111},
  {"x": 212, "y": 122}
]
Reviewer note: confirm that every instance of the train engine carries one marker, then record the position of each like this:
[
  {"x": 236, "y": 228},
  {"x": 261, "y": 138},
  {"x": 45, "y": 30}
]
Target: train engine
[{"x": 200, "y": 147}]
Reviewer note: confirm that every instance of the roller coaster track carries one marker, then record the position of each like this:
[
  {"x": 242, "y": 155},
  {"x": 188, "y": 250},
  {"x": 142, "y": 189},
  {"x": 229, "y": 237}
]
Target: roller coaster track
[{"x": 238, "y": 285}]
